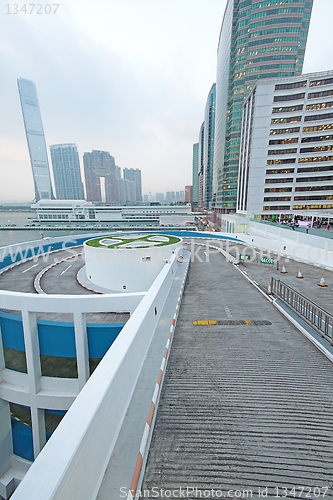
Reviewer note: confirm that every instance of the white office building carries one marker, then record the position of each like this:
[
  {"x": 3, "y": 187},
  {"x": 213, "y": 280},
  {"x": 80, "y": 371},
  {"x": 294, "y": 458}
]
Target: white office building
[{"x": 286, "y": 153}]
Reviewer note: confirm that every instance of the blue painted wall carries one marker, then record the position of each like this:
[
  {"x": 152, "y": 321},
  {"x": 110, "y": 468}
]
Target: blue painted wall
[{"x": 57, "y": 338}]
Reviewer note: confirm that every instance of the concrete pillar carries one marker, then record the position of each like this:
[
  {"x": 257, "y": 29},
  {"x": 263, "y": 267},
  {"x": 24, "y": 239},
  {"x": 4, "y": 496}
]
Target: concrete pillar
[
  {"x": 81, "y": 342},
  {"x": 7, "y": 482},
  {"x": 34, "y": 375},
  {"x": 6, "y": 442}
]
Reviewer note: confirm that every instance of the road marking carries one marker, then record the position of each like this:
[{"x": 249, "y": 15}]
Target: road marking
[
  {"x": 228, "y": 312},
  {"x": 231, "y": 322},
  {"x": 66, "y": 269},
  {"x": 29, "y": 268}
]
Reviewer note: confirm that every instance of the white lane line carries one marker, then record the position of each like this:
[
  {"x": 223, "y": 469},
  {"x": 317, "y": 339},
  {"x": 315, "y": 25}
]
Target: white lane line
[
  {"x": 29, "y": 268},
  {"x": 66, "y": 269}
]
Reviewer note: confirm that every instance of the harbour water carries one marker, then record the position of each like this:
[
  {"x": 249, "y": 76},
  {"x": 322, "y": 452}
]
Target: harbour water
[{"x": 20, "y": 218}]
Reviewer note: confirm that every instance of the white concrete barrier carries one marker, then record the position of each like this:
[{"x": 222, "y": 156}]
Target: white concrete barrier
[{"x": 73, "y": 462}]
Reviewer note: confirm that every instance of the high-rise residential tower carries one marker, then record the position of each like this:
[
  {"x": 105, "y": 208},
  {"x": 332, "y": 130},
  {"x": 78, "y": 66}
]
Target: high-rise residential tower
[
  {"x": 66, "y": 172},
  {"x": 208, "y": 148},
  {"x": 201, "y": 164},
  {"x": 258, "y": 39},
  {"x": 35, "y": 138},
  {"x": 100, "y": 177},
  {"x": 131, "y": 174},
  {"x": 195, "y": 165}
]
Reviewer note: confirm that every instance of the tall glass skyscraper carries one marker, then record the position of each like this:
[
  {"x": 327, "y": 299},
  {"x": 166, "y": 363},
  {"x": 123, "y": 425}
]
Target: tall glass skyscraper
[
  {"x": 35, "y": 138},
  {"x": 66, "y": 172},
  {"x": 258, "y": 39},
  {"x": 195, "y": 167},
  {"x": 201, "y": 164},
  {"x": 208, "y": 153}
]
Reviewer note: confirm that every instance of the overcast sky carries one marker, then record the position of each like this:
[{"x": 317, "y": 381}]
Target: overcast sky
[{"x": 126, "y": 76}]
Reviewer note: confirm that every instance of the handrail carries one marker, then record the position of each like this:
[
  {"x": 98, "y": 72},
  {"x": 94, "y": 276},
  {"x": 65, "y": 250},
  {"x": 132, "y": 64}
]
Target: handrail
[{"x": 315, "y": 315}]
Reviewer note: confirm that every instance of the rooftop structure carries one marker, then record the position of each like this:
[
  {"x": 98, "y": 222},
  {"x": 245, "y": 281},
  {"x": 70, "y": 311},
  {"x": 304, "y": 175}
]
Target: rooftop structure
[{"x": 128, "y": 262}]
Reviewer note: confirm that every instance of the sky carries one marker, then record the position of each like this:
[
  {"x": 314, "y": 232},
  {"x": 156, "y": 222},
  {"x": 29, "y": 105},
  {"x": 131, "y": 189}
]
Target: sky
[{"x": 126, "y": 76}]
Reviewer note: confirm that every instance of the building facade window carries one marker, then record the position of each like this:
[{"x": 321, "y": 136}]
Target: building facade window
[
  {"x": 277, "y": 198},
  {"x": 315, "y": 179},
  {"x": 324, "y": 81},
  {"x": 315, "y": 95},
  {"x": 280, "y": 162},
  {"x": 326, "y": 116},
  {"x": 289, "y": 119},
  {"x": 314, "y": 188},
  {"x": 312, "y": 159},
  {"x": 318, "y": 128},
  {"x": 319, "y": 105},
  {"x": 328, "y": 168},
  {"x": 282, "y": 151},
  {"x": 293, "y": 97},
  {"x": 292, "y": 130},
  {"x": 312, "y": 207},
  {"x": 279, "y": 208},
  {"x": 287, "y": 86},
  {"x": 313, "y": 197},
  {"x": 280, "y": 171},
  {"x": 282, "y": 180},
  {"x": 317, "y": 149},
  {"x": 318, "y": 138},
  {"x": 288, "y": 109},
  {"x": 278, "y": 190},
  {"x": 288, "y": 140}
]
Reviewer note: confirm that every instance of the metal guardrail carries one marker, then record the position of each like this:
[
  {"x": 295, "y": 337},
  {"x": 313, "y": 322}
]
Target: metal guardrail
[
  {"x": 310, "y": 230},
  {"x": 317, "y": 317}
]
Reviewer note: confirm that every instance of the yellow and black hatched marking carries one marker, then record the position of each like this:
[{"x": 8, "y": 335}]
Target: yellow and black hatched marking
[{"x": 230, "y": 322}]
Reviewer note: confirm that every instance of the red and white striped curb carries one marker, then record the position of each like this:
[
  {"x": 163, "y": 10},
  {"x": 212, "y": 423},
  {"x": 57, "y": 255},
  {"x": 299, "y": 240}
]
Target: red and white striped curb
[
  {"x": 138, "y": 466},
  {"x": 39, "y": 276},
  {"x": 84, "y": 286}
]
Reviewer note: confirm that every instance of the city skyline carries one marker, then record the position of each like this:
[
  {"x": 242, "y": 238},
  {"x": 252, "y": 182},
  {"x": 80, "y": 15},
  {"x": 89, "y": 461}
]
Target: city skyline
[{"x": 144, "y": 106}]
